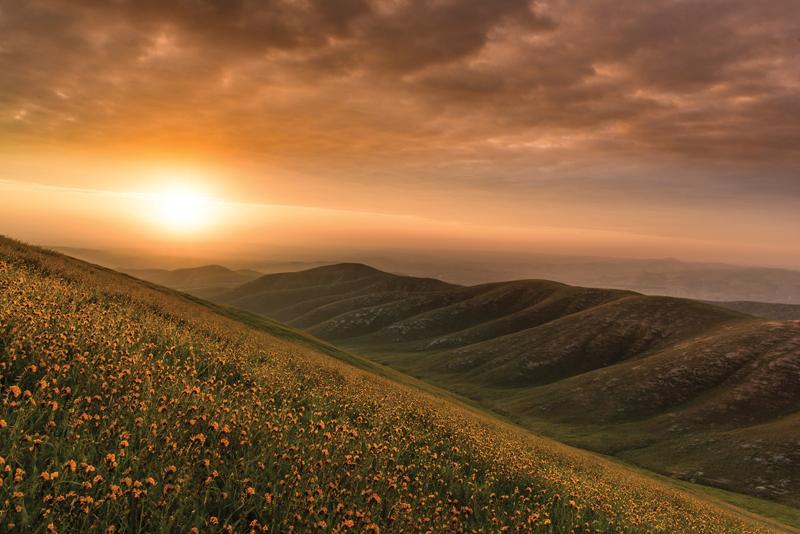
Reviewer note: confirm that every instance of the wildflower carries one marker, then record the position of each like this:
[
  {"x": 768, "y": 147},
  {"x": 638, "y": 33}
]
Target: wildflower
[
  {"x": 49, "y": 476},
  {"x": 15, "y": 391}
]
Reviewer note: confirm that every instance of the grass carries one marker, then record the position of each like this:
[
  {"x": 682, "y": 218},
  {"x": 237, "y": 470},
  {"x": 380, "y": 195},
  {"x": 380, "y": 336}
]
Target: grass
[{"x": 129, "y": 408}]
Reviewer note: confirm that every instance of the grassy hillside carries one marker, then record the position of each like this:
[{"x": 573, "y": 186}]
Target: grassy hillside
[
  {"x": 127, "y": 408},
  {"x": 682, "y": 387}
]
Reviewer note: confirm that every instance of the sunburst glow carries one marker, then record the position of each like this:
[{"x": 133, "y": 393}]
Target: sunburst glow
[{"x": 182, "y": 209}]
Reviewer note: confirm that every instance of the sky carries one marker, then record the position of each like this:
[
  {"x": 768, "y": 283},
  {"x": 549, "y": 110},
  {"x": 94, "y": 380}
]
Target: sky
[{"x": 665, "y": 128}]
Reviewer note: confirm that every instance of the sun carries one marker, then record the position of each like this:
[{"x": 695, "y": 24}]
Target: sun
[{"x": 182, "y": 209}]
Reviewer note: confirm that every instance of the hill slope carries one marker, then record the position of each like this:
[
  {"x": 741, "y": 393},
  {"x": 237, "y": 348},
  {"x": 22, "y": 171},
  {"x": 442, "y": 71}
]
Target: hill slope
[
  {"x": 702, "y": 281},
  {"x": 678, "y": 386},
  {"x": 767, "y": 310},
  {"x": 127, "y": 407},
  {"x": 202, "y": 281}
]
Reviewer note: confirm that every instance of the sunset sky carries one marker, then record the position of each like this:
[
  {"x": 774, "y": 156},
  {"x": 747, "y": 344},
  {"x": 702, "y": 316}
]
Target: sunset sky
[{"x": 601, "y": 127}]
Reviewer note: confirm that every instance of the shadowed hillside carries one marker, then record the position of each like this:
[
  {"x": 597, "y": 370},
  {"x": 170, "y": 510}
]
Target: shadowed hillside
[{"x": 683, "y": 387}]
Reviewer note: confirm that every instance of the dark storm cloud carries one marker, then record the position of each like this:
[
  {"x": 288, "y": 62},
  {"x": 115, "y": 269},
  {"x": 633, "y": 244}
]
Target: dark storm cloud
[{"x": 713, "y": 79}]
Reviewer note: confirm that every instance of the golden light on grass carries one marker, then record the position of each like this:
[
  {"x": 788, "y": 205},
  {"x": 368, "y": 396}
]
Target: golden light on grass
[{"x": 166, "y": 411}]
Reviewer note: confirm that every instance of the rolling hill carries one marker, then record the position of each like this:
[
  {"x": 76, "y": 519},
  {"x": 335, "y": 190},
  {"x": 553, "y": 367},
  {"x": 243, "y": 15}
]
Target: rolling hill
[
  {"x": 686, "y": 388},
  {"x": 667, "y": 276},
  {"x": 204, "y": 281},
  {"x": 655, "y": 276},
  {"x": 767, "y": 310},
  {"x": 130, "y": 407}
]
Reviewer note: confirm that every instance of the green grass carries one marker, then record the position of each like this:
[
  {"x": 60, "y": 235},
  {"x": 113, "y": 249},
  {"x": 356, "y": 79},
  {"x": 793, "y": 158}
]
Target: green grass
[
  {"x": 629, "y": 439},
  {"x": 604, "y": 439}
]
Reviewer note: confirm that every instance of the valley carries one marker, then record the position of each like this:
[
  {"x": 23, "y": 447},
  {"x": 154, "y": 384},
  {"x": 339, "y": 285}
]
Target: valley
[{"x": 680, "y": 387}]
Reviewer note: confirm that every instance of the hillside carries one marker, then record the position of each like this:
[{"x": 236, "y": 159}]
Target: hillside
[
  {"x": 678, "y": 386},
  {"x": 127, "y": 407},
  {"x": 203, "y": 281},
  {"x": 767, "y": 310},
  {"x": 656, "y": 276},
  {"x": 714, "y": 282},
  {"x": 696, "y": 280}
]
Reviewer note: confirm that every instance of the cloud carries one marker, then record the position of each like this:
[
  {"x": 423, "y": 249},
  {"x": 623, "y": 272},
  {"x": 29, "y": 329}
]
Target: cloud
[{"x": 506, "y": 85}]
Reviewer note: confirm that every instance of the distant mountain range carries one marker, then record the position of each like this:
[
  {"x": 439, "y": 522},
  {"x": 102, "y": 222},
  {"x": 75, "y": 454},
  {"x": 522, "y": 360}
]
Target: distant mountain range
[
  {"x": 701, "y": 281},
  {"x": 205, "y": 281},
  {"x": 671, "y": 277},
  {"x": 683, "y": 387}
]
